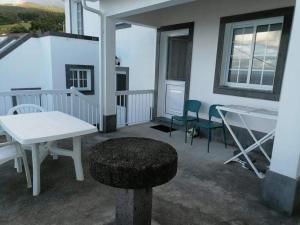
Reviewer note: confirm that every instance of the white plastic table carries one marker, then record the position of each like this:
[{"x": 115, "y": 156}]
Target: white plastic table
[
  {"x": 243, "y": 111},
  {"x": 41, "y": 131}
]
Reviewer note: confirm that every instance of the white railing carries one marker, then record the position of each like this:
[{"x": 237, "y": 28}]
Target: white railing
[
  {"x": 134, "y": 107},
  {"x": 69, "y": 101}
]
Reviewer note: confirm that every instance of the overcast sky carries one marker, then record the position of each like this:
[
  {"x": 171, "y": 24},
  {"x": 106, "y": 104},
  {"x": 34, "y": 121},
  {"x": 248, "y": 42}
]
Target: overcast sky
[{"x": 44, "y": 2}]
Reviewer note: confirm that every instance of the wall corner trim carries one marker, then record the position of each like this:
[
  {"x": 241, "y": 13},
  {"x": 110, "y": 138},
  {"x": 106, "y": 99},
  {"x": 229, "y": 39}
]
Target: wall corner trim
[{"x": 281, "y": 193}]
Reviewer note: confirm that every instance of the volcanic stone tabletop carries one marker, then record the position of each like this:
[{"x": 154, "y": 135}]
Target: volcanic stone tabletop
[{"x": 133, "y": 163}]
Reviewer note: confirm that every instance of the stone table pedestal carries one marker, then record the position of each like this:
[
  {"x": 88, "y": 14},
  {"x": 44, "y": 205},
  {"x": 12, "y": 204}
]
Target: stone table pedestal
[{"x": 134, "y": 166}]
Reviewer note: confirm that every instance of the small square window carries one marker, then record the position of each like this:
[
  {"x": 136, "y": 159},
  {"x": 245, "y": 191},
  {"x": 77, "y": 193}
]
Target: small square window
[{"x": 80, "y": 77}]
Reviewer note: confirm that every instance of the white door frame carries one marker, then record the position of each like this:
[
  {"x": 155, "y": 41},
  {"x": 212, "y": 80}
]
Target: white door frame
[{"x": 161, "y": 82}]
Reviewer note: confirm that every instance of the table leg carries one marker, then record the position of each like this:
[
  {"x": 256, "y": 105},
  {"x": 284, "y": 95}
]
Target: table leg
[
  {"x": 134, "y": 207},
  {"x": 77, "y": 158},
  {"x": 36, "y": 169}
]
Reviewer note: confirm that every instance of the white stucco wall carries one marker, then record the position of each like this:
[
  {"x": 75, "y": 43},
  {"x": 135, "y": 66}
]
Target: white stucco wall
[
  {"x": 136, "y": 48},
  {"x": 76, "y": 52},
  {"x": 40, "y": 62},
  {"x": 206, "y": 15},
  {"x": 91, "y": 21},
  {"x": 27, "y": 66}
]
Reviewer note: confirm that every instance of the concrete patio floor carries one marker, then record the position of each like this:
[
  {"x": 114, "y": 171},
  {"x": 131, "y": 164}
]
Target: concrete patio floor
[{"x": 204, "y": 191}]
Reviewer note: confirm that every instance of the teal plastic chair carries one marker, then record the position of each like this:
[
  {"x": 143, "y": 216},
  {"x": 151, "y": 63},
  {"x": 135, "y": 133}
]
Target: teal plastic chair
[
  {"x": 211, "y": 125},
  {"x": 189, "y": 106}
]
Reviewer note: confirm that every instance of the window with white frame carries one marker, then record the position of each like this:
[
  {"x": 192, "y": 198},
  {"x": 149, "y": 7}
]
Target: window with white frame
[
  {"x": 81, "y": 77},
  {"x": 250, "y": 53}
]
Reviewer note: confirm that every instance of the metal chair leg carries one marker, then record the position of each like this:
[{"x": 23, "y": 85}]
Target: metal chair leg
[
  {"x": 186, "y": 130},
  {"x": 209, "y": 139},
  {"x": 193, "y": 132},
  {"x": 224, "y": 134},
  {"x": 171, "y": 127}
]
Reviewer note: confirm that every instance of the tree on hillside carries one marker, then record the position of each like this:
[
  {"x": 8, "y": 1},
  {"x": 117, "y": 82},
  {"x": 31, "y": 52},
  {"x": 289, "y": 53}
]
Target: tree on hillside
[
  {"x": 28, "y": 16},
  {"x": 48, "y": 23},
  {"x": 19, "y": 28},
  {"x": 14, "y": 19}
]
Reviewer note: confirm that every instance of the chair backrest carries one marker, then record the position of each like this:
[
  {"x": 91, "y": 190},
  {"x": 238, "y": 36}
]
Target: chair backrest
[
  {"x": 213, "y": 112},
  {"x": 25, "y": 108},
  {"x": 192, "y": 106},
  {"x": 7, "y": 152}
]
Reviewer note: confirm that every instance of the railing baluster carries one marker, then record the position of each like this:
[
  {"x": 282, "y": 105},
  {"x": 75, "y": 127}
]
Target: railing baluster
[
  {"x": 72, "y": 102},
  {"x": 143, "y": 108},
  {"x": 79, "y": 107},
  {"x": 97, "y": 116},
  {"x": 126, "y": 108},
  {"x": 47, "y": 102},
  {"x": 66, "y": 102},
  {"x": 37, "y": 100},
  {"x": 61, "y": 103},
  {"x": 88, "y": 112},
  {"x": 92, "y": 115}
]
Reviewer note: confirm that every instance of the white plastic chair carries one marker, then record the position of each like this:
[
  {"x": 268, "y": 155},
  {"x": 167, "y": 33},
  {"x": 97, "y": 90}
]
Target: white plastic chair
[
  {"x": 22, "y": 109},
  {"x": 13, "y": 151},
  {"x": 25, "y": 108}
]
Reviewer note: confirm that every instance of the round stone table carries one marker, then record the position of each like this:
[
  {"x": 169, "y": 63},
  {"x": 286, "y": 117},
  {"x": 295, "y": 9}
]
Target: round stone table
[{"x": 135, "y": 166}]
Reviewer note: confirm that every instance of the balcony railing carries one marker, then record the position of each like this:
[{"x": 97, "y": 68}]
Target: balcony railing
[
  {"x": 134, "y": 107},
  {"x": 69, "y": 101}
]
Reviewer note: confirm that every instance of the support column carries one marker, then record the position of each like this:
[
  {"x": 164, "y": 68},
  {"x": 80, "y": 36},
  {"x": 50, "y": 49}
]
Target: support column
[
  {"x": 281, "y": 188},
  {"x": 134, "y": 207},
  {"x": 108, "y": 74}
]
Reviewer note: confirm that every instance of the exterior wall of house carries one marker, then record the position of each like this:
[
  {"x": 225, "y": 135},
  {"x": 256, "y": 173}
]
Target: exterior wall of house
[
  {"x": 206, "y": 15},
  {"x": 40, "y": 63},
  {"x": 91, "y": 20},
  {"x": 28, "y": 66},
  {"x": 136, "y": 48},
  {"x": 75, "y": 52}
]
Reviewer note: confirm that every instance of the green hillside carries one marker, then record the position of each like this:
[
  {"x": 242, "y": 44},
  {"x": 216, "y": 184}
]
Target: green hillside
[
  {"x": 30, "y": 17},
  {"x": 31, "y": 5}
]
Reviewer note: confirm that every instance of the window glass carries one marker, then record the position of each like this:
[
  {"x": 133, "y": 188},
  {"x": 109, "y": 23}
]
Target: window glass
[
  {"x": 74, "y": 80},
  {"x": 253, "y": 54},
  {"x": 83, "y": 78},
  {"x": 240, "y": 54},
  {"x": 80, "y": 77},
  {"x": 265, "y": 54}
]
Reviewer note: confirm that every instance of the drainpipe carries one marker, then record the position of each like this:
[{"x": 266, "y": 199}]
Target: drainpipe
[
  {"x": 86, "y": 7},
  {"x": 102, "y": 55}
]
